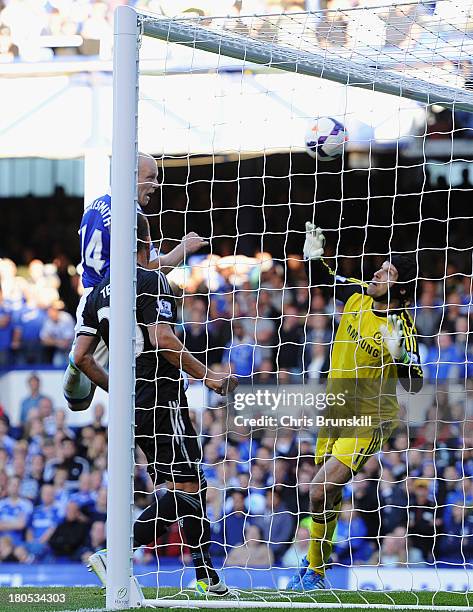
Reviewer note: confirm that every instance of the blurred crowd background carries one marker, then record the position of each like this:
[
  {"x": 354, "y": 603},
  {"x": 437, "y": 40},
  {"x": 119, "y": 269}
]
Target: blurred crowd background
[
  {"x": 412, "y": 503},
  {"x": 34, "y": 30}
]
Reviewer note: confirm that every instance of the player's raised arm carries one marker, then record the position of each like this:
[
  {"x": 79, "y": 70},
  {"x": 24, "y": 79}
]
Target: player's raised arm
[
  {"x": 191, "y": 243},
  {"x": 319, "y": 272}
]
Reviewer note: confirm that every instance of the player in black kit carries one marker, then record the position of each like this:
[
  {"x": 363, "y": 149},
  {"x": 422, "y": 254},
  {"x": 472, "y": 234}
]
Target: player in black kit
[{"x": 163, "y": 428}]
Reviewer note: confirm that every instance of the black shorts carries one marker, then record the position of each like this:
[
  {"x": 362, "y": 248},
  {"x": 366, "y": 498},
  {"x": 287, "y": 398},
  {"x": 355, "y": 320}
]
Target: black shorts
[{"x": 164, "y": 432}]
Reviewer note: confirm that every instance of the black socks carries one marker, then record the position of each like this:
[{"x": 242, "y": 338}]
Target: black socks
[{"x": 190, "y": 510}]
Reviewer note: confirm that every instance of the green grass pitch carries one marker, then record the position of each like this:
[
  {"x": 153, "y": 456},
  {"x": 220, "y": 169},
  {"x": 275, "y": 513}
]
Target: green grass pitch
[{"x": 93, "y": 599}]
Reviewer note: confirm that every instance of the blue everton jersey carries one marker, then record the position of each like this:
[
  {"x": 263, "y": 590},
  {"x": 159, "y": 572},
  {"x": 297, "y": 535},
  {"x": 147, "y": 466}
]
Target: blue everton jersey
[{"x": 95, "y": 241}]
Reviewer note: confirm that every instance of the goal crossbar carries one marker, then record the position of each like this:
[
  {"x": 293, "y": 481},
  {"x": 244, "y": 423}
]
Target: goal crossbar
[{"x": 311, "y": 63}]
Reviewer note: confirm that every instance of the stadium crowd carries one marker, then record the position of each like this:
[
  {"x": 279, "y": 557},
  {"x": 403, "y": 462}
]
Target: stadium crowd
[
  {"x": 247, "y": 313},
  {"x": 413, "y": 503},
  {"x": 39, "y": 31}
]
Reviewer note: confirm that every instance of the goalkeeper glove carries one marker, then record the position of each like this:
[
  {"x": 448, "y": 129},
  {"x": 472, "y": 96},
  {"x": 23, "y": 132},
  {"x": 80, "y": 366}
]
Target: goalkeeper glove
[
  {"x": 393, "y": 336},
  {"x": 314, "y": 242}
]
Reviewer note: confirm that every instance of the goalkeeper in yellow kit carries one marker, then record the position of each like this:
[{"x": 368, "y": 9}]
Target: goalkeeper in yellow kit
[{"x": 373, "y": 349}]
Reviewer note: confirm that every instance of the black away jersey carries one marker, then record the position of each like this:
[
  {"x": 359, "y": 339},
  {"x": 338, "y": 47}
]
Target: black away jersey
[{"x": 155, "y": 302}]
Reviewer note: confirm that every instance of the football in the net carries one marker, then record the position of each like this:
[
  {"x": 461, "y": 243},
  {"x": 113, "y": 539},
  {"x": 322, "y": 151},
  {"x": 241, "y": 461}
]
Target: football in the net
[{"x": 325, "y": 139}]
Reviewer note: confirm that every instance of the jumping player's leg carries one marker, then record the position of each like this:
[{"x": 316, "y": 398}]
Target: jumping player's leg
[
  {"x": 186, "y": 502},
  {"x": 325, "y": 502},
  {"x": 173, "y": 457},
  {"x": 337, "y": 461},
  {"x": 78, "y": 390}
]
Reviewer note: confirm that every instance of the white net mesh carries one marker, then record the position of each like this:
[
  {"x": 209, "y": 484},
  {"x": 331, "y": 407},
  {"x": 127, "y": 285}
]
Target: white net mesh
[{"x": 229, "y": 138}]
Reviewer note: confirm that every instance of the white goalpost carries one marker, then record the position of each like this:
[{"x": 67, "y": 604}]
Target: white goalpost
[{"x": 412, "y": 59}]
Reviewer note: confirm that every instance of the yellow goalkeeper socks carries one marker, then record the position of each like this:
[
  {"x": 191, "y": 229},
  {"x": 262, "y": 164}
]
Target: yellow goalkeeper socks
[{"x": 322, "y": 528}]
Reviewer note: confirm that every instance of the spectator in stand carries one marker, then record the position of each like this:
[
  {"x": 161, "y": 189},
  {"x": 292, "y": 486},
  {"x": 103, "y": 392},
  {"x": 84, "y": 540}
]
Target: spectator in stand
[
  {"x": 305, "y": 475},
  {"x": 298, "y": 550},
  {"x": 83, "y": 496},
  {"x": 253, "y": 553},
  {"x": 99, "y": 509},
  {"x": 15, "y": 512},
  {"x": 444, "y": 361},
  {"x": 351, "y": 545},
  {"x": 62, "y": 495},
  {"x": 99, "y": 414},
  {"x": 33, "y": 399},
  {"x": 27, "y": 325},
  {"x": 318, "y": 366},
  {"x": 74, "y": 465},
  {"x": 61, "y": 427},
  {"x": 393, "y": 503},
  {"x": 57, "y": 334},
  {"x": 463, "y": 344},
  {"x": 35, "y": 475},
  {"x": 422, "y": 525},
  {"x": 44, "y": 520},
  {"x": 241, "y": 354},
  {"x": 455, "y": 547},
  {"x": 69, "y": 538},
  {"x": 34, "y": 433},
  {"x": 195, "y": 337},
  {"x": 97, "y": 540},
  {"x": 428, "y": 313},
  {"x": 290, "y": 344},
  {"x": 395, "y": 551},
  {"x": 276, "y": 523},
  {"x": 235, "y": 520},
  {"x": 47, "y": 416},
  {"x": 6, "y": 442},
  {"x": 6, "y": 330},
  {"x": 13, "y": 554},
  {"x": 69, "y": 462}
]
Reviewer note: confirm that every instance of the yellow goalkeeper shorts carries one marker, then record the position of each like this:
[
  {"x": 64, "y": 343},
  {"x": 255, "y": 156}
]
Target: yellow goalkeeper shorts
[{"x": 353, "y": 452}]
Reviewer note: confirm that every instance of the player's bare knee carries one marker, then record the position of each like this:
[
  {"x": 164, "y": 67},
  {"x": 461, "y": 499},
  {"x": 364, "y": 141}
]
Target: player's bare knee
[
  {"x": 327, "y": 485},
  {"x": 321, "y": 499}
]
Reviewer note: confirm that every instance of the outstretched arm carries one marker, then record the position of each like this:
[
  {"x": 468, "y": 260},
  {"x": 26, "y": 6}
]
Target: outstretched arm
[
  {"x": 191, "y": 243},
  {"x": 319, "y": 272},
  {"x": 168, "y": 344}
]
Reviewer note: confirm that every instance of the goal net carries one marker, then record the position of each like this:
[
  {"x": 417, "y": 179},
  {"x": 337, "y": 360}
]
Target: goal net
[{"x": 240, "y": 113}]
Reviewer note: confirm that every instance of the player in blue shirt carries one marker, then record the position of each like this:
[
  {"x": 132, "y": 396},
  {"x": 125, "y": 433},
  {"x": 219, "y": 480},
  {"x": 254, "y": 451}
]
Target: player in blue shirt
[{"x": 95, "y": 262}]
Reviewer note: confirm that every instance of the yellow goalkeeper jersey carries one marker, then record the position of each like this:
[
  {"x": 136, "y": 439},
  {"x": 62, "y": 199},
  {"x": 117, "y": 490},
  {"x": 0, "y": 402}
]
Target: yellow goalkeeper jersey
[
  {"x": 361, "y": 366},
  {"x": 358, "y": 349}
]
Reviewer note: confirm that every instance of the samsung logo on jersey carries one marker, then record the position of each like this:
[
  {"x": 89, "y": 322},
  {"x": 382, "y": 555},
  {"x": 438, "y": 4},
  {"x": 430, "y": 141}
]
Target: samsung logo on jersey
[
  {"x": 362, "y": 342},
  {"x": 103, "y": 208}
]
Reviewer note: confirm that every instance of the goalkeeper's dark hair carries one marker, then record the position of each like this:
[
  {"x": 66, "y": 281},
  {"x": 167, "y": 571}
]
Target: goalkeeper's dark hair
[
  {"x": 407, "y": 269},
  {"x": 142, "y": 232}
]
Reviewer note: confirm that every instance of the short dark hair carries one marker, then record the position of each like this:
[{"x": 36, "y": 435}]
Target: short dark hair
[{"x": 142, "y": 232}]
